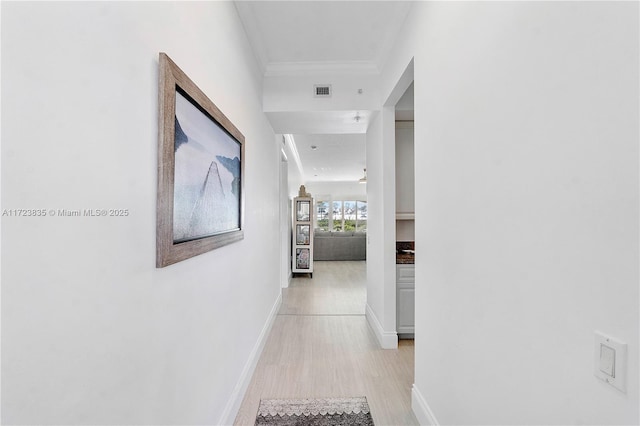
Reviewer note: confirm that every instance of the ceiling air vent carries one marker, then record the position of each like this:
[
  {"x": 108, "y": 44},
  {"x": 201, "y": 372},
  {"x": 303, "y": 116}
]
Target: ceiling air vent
[{"x": 322, "y": 90}]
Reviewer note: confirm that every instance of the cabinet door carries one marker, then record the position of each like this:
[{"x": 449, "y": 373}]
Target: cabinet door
[
  {"x": 406, "y": 274},
  {"x": 303, "y": 258},
  {"x": 406, "y": 309},
  {"x": 303, "y": 210},
  {"x": 303, "y": 235},
  {"x": 405, "y": 298}
]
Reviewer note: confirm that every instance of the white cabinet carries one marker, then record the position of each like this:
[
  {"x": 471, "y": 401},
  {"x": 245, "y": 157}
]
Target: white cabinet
[
  {"x": 405, "y": 299},
  {"x": 302, "y": 256}
]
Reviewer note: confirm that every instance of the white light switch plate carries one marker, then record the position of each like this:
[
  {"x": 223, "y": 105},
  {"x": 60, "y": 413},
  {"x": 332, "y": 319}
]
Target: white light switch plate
[
  {"x": 610, "y": 360},
  {"x": 607, "y": 360}
]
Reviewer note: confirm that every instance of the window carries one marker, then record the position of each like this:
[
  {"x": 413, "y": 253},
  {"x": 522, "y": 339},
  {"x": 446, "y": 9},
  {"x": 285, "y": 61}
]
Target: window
[
  {"x": 339, "y": 215},
  {"x": 361, "y": 216},
  {"x": 322, "y": 215},
  {"x": 349, "y": 215}
]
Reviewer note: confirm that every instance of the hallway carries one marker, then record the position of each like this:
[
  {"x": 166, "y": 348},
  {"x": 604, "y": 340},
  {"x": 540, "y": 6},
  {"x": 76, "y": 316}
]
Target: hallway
[{"x": 321, "y": 346}]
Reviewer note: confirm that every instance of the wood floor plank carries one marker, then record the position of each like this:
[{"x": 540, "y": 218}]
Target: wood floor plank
[{"x": 321, "y": 346}]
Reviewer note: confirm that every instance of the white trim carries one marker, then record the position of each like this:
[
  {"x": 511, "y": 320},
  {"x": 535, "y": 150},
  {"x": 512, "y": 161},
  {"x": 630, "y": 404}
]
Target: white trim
[
  {"x": 401, "y": 86},
  {"x": 387, "y": 339},
  {"x": 294, "y": 152},
  {"x": 421, "y": 409},
  {"x": 405, "y": 216},
  {"x": 233, "y": 404}
]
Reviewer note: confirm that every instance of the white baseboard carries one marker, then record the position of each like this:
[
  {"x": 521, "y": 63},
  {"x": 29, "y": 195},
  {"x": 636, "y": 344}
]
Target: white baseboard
[
  {"x": 233, "y": 404},
  {"x": 421, "y": 409},
  {"x": 387, "y": 339}
]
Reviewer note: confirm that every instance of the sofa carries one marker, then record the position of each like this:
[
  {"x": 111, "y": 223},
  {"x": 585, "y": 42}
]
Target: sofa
[{"x": 339, "y": 245}]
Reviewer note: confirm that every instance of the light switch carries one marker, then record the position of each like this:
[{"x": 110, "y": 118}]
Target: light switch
[
  {"x": 610, "y": 361},
  {"x": 607, "y": 360}
]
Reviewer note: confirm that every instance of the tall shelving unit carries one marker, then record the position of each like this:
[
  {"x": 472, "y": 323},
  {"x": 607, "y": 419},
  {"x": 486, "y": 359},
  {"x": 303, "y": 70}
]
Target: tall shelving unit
[{"x": 302, "y": 235}]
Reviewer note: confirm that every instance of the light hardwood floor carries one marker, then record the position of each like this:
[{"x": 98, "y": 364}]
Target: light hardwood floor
[{"x": 321, "y": 346}]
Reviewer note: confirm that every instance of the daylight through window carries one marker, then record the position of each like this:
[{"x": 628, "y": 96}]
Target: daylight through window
[{"x": 341, "y": 215}]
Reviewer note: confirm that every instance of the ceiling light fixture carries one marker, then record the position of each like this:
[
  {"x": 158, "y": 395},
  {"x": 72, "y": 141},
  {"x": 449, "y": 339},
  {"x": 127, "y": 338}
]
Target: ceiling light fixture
[
  {"x": 314, "y": 147},
  {"x": 364, "y": 178}
]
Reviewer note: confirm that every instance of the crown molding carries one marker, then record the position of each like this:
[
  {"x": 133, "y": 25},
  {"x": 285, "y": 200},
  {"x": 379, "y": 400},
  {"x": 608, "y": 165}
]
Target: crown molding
[{"x": 294, "y": 152}]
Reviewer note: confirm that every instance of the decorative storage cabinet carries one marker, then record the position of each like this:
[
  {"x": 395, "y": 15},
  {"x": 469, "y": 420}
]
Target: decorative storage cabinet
[{"x": 302, "y": 235}]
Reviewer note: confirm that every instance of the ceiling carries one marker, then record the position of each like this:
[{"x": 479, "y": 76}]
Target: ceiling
[
  {"x": 319, "y": 122},
  {"x": 322, "y": 32},
  {"x": 322, "y": 36},
  {"x": 334, "y": 158}
]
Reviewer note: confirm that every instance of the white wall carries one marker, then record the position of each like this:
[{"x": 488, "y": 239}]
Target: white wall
[
  {"x": 405, "y": 175},
  {"x": 527, "y": 210},
  {"x": 294, "y": 174},
  {"x": 284, "y": 218},
  {"x": 381, "y": 297},
  {"x": 296, "y": 93},
  {"x": 405, "y": 169},
  {"x": 405, "y": 230},
  {"x": 92, "y": 333}
]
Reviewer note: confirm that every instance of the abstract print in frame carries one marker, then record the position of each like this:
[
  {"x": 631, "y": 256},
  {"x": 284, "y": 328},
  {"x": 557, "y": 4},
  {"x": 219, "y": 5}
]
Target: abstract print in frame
[{"x": 200, "y": 171}]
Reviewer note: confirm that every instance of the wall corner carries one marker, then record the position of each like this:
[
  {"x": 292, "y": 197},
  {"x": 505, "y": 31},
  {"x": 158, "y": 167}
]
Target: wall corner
[
  {"x": 386, "y": 339},
  {"x": 421, "y": 409}
]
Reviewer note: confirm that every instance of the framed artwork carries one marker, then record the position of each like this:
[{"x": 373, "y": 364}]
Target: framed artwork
[{"x": 200, "y": 203}]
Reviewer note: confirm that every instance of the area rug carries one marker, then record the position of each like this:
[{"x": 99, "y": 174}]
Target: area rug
[{"x": 315, "y": 412}]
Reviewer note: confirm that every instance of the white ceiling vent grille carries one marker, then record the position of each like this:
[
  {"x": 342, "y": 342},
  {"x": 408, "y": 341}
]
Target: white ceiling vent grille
[{"x": 322, "y": 90}]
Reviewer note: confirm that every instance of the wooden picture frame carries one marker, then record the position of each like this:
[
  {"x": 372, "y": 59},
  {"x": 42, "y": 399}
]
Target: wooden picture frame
[{"x": 200, "y": 199}]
